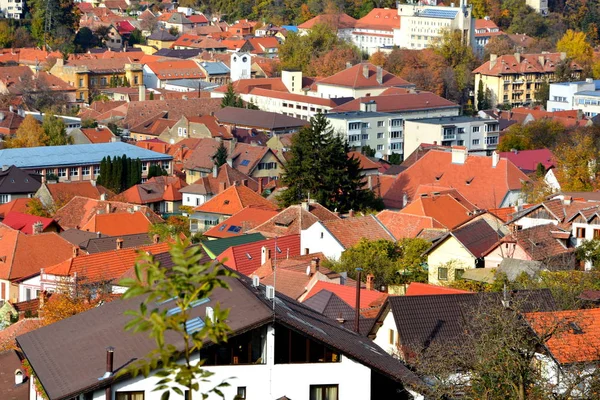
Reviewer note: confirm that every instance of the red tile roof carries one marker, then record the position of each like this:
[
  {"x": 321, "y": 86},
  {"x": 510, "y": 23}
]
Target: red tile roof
[
  {"x": 65, "y": 191},
  {"x": 98, "y": 135},
  {"x": 424, "y": 289},
  {"x": 449, "y": 208},
  {"x": 233, "y": 200},
  {"x": 353, "y": 77},
  {"x": 481, "y": 23},
  {"x": 399, "y": 102},
  {"x": 246, "y": 258},
  {"x": 24, "y": 222},
  {"x": 176, "y": 69},
  {"x": 525, "y": 64},
  {"x": 241, "y": 222},
  {"x": 404, "y": 225},
  {"x": 17, "y": 205},
  {"x": 576, "y": 333},
  {"x": 381, "y": 19},
  {"x": 115, "y": 224},
  {"x": 348, "y": 294},
  {"x": 198, "y": 19},
  {"x": 350, "y": 231},
  {"x": 244, "y": 86},
  {"x": 7, "y": 340},
  {"x": 527, "y": 160},
  {"x": 482, "y": 184}
]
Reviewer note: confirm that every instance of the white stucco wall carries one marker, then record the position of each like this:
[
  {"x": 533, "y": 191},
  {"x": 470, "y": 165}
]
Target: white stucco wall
[
  {"x": 383, "y": 334},
  {"x": 318, "y": 239}
]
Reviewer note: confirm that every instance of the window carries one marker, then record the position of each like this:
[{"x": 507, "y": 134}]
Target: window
[
  {"x": 323, "y": 392},
  {"x": 103, "y": 81},
  {"x": 366, "y": 125},
  {"x": 365, "y": 136},
  {"x": 391, "y": 334},
  {"x": 380, "y": 124},
  {"x": 461, "y": 130},
  {"x": 267, "y": 165},
  {"x": 130, "y": 396},
  {"x": 596, "y": 233},
  {"x": 442, "y": 274},
  {"x": 353, "y": 126},
  {"x": 27, "y": 294},
  {"x": 491, "y": 140},
  {"x": 241, "y": 390},
  {"x": 379, "y": 147},
  {"x": 4, "y": 198},
  {"x": 96, "y": 170},
  {"x": 458, "y": 273},
  {"x": 135, "y": 80},
  {"x": 144, "y": 167},
  {"x": 353, "y": 138},
  {"x": 580, "y": 233},
  {"x": 380, "y": 135},
  {"x": 62, "y": 172},
  {"x": 74, "y": 172},
  {"x": 80, "y": 82},
  {"x": 396, "y": 146},
  {"x": 460, "y": 142},
  {"x": 396, "y": 122},
  {"x": 85, "y": 171},
  {"x": 475, "y": 129},
  {"x": 395, "y": 135},
  {"x": 475, "y": 142}
]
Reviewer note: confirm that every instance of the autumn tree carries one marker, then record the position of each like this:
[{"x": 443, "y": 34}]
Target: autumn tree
[
  {"x": 538, "y": 134},
  {"x": 378, "y": 58},
  {"x": 333, "y": 61},
  {"x": 187, "y": 282},
  {"x": 6, "y": 34},
  {"x": 37, "y": 208},
  {"x": 542, "y": 94},
  {"x": 56, "y": 131},
  {"x": 576, "y": 46},
  {"x": 499, "y": 45},
  {"x": 577, "y": 159},
  {"x": 29, "y": 134},
  {"x": 64, "y": 17}
]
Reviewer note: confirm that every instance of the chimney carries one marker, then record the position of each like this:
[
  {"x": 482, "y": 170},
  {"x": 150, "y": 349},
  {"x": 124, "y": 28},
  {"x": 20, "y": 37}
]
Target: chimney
[
  {"x": 142, "y": 92},
  {"x": 493, "y": 60},
  {"x": 518, "y": 57},
  {"x": 366, "y": 70},
  {"x": 215, "y": 171},
  {"x": 495, "y": 159},
  {"x": 110, "y": 352},
  {"x": 369, "y": 182},
  {"x": 5, "y": 168},
  {"x": 230, "y": 162},
  {"x": 351, "y": 213},
  {"x": 99, "y": 234},
  {"x": 379, "y": 75},
  {"x": 305, "y": 206},
  {"x": 75, "y": 251},
  {"x": 314, "y": 265},
  {"x": 1, "y": 116},
  {"x": 42, "y": 295},
  {"x": 222, "y": 186},
  {"x": 156, "y": 239},
  {"x": 260, "y": 186},
  {"x": 108, "y": 208},
  {"x": 563, "y": 56},
  {"x": 459, "y": 154},
  {"x": 119, "y": 244},
  {"x": 357, "y": 309},
  {"x": 265, "y": 255},
  {"x": 567, "y": 200},
  {"x": 93, "y": 182},
  {"x": 244, "y": 182},
  {"x": 37, "y": 228},
  {"x": 370, "y": 281}
]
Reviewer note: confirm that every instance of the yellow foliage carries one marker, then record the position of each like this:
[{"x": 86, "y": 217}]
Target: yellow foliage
[
  {"x": 29, "y": 134},
  {"x": 576, "y": 46}
]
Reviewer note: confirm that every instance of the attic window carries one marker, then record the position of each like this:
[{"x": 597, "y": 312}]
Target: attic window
[
  {"x": 468, "y": 181},
  {"x": 222, "y": 227},
  {"x": 234, "y": 229},
  {"x": 437, "y": 178},
  {"x": 226, "y": 202},
  {"x": 576, "y": 328},
  {"x": 245, "y": 163},
  {"x": 278, "y": 249},
  {"x": 249, "y": 256}
]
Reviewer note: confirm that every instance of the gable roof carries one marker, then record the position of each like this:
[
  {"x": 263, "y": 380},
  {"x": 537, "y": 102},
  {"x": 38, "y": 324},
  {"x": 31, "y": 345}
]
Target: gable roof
[
  {"x": 348, "y": 294},
  {"x": 528, "y": 160},
  {"x": 404, "y": 225},
  {"x": 66, "y": 190},
  {"x": 482, "y": 184},
  {"x": 257, "y": 119},
  {"x": 68, "y": 356},
  {"x": 380, "y": 19},
  {"x": 101, "y": 244},
  {"x": 353, "y": 77},
  {"x": 540, "y": 242},
  {"x": 175, "y": 69},
  {"x": 119, "y": 223},
  {"x": 233, "y": 199},
  {"x": 524, "y": 64},
  {"x": 24, "y": 222},
  {"x": 218, "y": 246},
  {"x": 98, "y": 135},
  {"x": 477, "y": 237},
  {"x": 155, "y": 189},
  {"x": 349, "y": 231},
  {"x": 246, "y": 258},
  {"x": 294, "y": 219},
  {"x": 449, "y": 208},
  {"x": 226, "y": 177},
  {"x": 339, "y": 21},
  {"x": 241, "y": 222},
  {"x": 14, "y": 180}
]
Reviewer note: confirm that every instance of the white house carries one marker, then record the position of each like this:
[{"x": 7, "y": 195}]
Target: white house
[
  {"x": 582, "y": 95},
  {"x": 375, "y": 31},
  {"x": 158, "y": 74},
  {"x": 287, "y": 351}
]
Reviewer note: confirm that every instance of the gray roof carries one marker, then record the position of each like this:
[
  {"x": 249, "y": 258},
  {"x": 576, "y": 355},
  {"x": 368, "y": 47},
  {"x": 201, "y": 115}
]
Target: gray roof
[
  {"x": 69, "y": 356},
  {"x": 15, "y": 181},
  {"x": 193, "y": 84},
  {"x": 588, "y": 93},
  {"x": 183, "y": 54},
  {"x": 77, "y": 236},
  {"x": 78, "y": 154},
  {"x": 258, "y": 119},
  {"x": 513, "y": 268},
  {"x": 332, "y": 306},
  {"x": 453, "y": 120},
  {"x": 107, "y": 243},
  {"x": 215, "y": 68},
  {"x": 162, "y": 35}
]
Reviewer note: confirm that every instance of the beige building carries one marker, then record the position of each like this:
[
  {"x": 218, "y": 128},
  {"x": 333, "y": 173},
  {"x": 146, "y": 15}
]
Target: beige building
[{"x": 514, "y": 79}]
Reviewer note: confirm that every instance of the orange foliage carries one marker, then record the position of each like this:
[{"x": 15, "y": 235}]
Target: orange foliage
[
  {"x": 378, "y": 58},
  {"x": 425, "y": 68},
  {"x": 333, "y": 61},
  {"x": 61, "y": 306}
]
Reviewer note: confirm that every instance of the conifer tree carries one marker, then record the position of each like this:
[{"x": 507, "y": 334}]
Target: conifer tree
[
  {"x": 231, "y": 99},
  {"x": 220, "y": 157},
  {"x": 319, "y": 167}
]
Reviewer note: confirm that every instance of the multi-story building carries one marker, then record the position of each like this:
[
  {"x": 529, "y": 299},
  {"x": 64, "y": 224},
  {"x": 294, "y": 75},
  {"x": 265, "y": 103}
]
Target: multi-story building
[
  {"x": 79, "y": 162},
  {"x": 12, "y": 9},
  {"x": 90, "y": 76},
  {"x": 583, "y": 95},
  {"x": 421, "y": 24},
  {"x": 485, "y": 29},
  {"x": 514, "y": 79},
  {"x": 375, "y": 30},
  {"x": 540, "y": 6},
  {"x": 476, "y": 134},
  {"x": 382, "y": 131}
]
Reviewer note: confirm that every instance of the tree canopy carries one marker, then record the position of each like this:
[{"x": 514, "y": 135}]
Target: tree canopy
[{"x": 119, "y": 173}]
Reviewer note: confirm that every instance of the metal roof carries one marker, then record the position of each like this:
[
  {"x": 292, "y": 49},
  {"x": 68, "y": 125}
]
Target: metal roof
[
  {"x": 435, "y": 13},
  {"x": 215, "y": 68},
  {"x": 78, "y": 154},
  {"x": 218, "y": 246}
]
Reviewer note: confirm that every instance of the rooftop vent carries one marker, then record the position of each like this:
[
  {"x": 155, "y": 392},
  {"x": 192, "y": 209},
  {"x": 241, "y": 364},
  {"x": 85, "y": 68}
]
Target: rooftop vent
[{"x": 270, "y": 292}]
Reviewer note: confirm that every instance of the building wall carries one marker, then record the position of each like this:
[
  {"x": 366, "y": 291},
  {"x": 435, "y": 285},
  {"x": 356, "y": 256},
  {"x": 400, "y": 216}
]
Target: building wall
[
  {"x": 449, "y": 251},
  {"x": 318, "y": 239},
  {"x": 298, "y": 109},
  {"x": 387, "y": 331},
  {"x": 12, "y": 9},
  {"x": 331, "y": 91},
  {"x": 269, "y": 158},
  {"x": 194, "y": 200},
  {"x": 369, "y": 41},
  {"x": 527, "y": 222},
  {"x": 505, "y": 250},
  {"x": 562, "y": 95},
  {"x": 159, "y": 44},
  {"x": 201, "y": 222}
]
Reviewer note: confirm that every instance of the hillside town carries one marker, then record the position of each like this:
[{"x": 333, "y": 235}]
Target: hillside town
[{"x": 275, "y": 200}]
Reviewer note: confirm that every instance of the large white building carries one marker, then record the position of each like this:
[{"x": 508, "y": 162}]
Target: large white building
[
  {"x": 540, "y": 6},
  {"x": 582, "y": 95},
  {"x": 421, "y": 24},
  {"x": 12, "y": 9},
  {"x": 375, "y": 31}
]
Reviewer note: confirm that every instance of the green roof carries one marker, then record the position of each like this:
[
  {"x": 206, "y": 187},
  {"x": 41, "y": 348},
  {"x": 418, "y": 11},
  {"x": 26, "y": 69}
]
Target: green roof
[{"x": 215, "y": 247}]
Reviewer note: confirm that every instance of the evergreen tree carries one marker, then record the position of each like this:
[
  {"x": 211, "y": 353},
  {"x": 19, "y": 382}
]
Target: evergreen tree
[
  {"x": 117, "y": 173},
  {"x": 320, "y": 167},
  {"x": 100, "y": 179},
  {"x": 156, "y": 170},
  {"x": 231, "y": 99},
  {"x": 220, "y": 157}
]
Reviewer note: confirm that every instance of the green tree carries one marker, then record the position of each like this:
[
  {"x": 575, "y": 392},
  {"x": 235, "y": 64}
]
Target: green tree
[
  {"x": 319, "y": 167},
  {"x": 542, "y": 95},
  {"x": 538, "y": 134},
  {"x": 85, "y": 39},
  {"x": 136, "y": 37},
  {"x": 89, "y": 123},
  {"x": 6, "y": 34},
  {"x": 231, "y": 98},
  {"x": 483, "y": 97},
  {"x": 589, "y": 250},
  {"x": 56, "y": 131},
  {"x": 119, "y": 173},
  {"x": 64, "y": 22},
  {"x": 156, "y": 170},
  {"x": 114, "y": 128},
  {"x": 220, "y": 156},
  {"x": 187, "y": 282},
  {"x": 540, "y": 170}
]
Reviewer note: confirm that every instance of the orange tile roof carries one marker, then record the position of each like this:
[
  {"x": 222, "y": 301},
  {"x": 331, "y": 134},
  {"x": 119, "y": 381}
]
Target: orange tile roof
[
  {"x": 9, "y": 334},
  {"x": 233, "y": 199},
  {"x": 353, "y": 77},
  {"x": 477, "y": 180},
  {"x": 17, "y": 205},
  {"x": 98, "y": 135},
  {"x": 424, "y": 289},
  {"x": 115, "y": 224},
  {"x": 526, "y": 64},
  {"x": 405, "y": 225},
  {"x": 503, "y": 213},
  {"x": 349, "y": 231},
  {"x": 381, "y": 19},
  {"x": 576, "y": 336},
  {"x": 239, "y": 223},
  {"x": 391, "y": 102},
  {"x": 64, "y": 191},
  {"x": 244, "y": 86},
  {"x": 348, "y": 294},
  {"x": 18, "y": 258},
  {"x": 105, "y": 266},
  {"x": 176, "y": 69},
  {"x": 449, "y": 209},
  {"x": 481, "y": 23}
]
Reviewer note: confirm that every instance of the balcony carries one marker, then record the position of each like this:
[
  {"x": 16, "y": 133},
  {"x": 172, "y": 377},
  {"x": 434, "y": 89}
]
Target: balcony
[{"x": 450, "y": 137}]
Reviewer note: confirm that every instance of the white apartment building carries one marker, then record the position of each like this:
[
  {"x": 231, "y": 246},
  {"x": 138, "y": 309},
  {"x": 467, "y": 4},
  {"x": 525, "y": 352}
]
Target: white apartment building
[
  {"x": 375, "y": 31},
  {"x": 476, "y": 134},
  {"x": 12, "y": 9},
  {"x": 485, "y": 29},
  {"x": 421, "y": 24},
  {"x": 541, "y": 6},
  {"x": 582, "y": 95},
  {"x": 383, "y": 132}
]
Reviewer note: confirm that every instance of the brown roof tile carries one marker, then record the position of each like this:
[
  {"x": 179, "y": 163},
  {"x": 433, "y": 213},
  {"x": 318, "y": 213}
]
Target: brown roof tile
[
  {"x": 353, "y": 77},
  {"x": 294, "y": 219},
  {"x": 350, "y": 231}
]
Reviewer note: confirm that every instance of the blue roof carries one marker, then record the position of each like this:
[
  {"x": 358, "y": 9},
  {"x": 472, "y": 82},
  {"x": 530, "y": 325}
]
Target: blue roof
[
  {"x": 290, "y": 28},
  {"x": 435, "y": 13},
  {"x": 78, "y": 154},
  {"x": 215, "y": 68},
  {"x": 588, "y": 93}
]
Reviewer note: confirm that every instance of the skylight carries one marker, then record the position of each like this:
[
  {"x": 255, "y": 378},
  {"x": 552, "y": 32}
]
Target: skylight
[
  {"x": 234, "y": 229},
  {"x": 194, "y": 325},
  {"x": 195, "y": 303},
  {"x": 222, "y": 227},
  {"x": 245, "y": 163}
]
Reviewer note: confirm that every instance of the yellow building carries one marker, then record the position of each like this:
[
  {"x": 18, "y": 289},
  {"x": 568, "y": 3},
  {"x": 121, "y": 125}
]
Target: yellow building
[
  {"x": 161, "y": 39},
  {"x": 90, "y": 76},
  {"x": 514, "y": 79}
]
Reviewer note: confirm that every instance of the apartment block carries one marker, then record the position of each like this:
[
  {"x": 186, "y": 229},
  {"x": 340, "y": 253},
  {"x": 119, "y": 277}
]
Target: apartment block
[{"x": 582, "y": 95}]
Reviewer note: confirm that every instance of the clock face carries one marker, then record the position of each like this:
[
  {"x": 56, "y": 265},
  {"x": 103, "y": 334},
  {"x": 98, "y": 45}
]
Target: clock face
[{"x": 244, "y": 59}]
